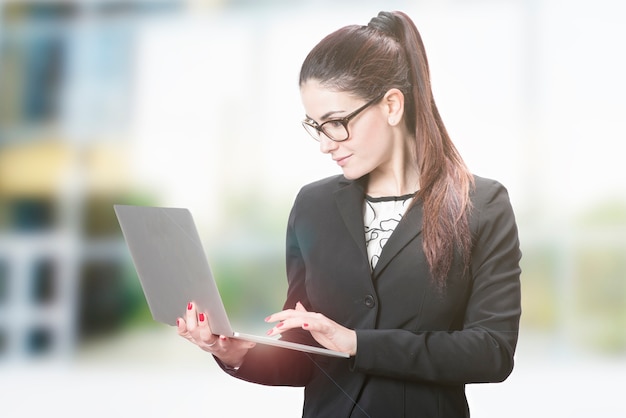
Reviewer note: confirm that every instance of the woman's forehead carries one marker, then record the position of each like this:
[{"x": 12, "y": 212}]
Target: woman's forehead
[{"x": 314, "y": 94}]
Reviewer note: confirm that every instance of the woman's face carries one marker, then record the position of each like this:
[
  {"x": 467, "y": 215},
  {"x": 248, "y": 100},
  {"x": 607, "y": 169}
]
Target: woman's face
[{"x": 369, "y": 146}]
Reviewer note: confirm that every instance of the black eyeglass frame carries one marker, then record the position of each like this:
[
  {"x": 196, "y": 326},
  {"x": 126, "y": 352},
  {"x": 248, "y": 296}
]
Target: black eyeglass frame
[{"x": 344, "y": 121}]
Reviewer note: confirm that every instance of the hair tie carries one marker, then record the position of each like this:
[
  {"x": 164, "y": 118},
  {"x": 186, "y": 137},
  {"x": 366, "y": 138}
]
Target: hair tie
[{"x": 386, "y": 22}]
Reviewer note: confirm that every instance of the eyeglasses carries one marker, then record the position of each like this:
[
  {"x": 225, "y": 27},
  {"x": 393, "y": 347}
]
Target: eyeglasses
[{"x": 335, "y": 129}]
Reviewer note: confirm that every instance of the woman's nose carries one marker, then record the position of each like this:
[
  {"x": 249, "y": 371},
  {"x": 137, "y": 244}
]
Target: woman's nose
[{"x": 327, "y": 145}]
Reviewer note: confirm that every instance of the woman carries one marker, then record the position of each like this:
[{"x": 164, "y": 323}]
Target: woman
[{"x": 407, "y": 261}]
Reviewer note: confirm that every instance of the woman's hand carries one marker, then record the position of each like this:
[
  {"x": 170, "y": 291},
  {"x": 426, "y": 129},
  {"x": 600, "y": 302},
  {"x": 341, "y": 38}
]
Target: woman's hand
[
  {"x": 195, "y": 328},
  {"x": 325, "y": 331}
]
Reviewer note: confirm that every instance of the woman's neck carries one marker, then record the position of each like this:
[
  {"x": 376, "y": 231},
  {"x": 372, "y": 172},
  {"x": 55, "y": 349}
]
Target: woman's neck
[
  {"x": 398, "y": 178},
  {"x": 393, "y": 184}
]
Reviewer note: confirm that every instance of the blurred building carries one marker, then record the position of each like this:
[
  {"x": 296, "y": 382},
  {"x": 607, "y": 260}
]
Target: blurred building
[{"x": 65, "y": 98}]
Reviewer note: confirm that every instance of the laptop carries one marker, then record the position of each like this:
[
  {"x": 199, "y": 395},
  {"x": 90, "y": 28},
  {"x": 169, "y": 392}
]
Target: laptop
[{"x": 173, "y": 270}]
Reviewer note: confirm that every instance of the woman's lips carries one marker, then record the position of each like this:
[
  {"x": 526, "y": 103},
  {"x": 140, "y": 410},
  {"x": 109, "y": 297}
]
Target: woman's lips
[{"x": 342, "y": 160}]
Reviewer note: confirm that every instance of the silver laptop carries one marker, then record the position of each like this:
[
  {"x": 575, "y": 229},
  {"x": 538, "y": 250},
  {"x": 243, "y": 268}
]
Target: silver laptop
[{"x": 173, "y": 270}]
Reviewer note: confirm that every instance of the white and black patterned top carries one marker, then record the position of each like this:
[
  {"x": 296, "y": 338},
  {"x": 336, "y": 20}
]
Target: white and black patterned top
[{"x": 381, "y": 215}]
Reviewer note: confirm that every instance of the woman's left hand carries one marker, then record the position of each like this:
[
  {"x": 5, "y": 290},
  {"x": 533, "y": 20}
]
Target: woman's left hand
[{"x": 325, "y": 331}]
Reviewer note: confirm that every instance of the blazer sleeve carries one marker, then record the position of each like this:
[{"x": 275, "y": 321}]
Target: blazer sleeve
[{"x": 483, "y": 349}]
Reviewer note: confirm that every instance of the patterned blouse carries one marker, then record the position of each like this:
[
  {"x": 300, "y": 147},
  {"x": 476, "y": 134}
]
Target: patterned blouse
[{"x": 381, "y": 215}]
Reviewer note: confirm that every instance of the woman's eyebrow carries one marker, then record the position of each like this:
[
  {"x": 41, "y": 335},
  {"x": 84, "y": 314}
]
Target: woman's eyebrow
[{"x": 326, "y": 115}]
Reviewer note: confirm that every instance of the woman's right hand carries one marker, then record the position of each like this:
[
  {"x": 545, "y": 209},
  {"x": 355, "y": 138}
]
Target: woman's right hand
[{"x": 195, "y": 328}]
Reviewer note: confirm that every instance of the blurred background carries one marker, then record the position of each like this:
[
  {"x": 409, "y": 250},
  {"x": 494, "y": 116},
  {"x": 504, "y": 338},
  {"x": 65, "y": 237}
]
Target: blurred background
[{"x": 196, "y": 104}]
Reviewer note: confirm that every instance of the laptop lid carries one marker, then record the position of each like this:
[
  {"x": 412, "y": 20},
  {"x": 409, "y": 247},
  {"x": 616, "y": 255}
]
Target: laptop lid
[{"x": 171, "y": 264}]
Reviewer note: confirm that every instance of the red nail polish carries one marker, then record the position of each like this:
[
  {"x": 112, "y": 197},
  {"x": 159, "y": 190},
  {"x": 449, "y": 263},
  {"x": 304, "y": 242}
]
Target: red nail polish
[
  {"x": 189, "y": 306},
  {"x": 200, "y": 317},
  {"x": 305, "y": 325},
  {"x": 178, "y": 322},
  {"x": 268, "y": 319},
  {"x": 223, "y": 338},
  {"x": 280, "y": 324}
]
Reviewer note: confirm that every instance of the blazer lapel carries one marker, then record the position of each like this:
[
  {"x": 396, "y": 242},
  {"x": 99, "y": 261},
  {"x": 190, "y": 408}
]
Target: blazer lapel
[
  {"x": 349, "y": 198},
  {"x": 409, "y": 227}
]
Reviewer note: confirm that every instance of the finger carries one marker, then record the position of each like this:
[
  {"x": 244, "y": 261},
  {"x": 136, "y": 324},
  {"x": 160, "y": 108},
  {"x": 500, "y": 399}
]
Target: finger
[
  {"x": 280, "y": 316},
  {"x": 313, "y": 326},
  {"x": 289, "y": 320},
  {"x": 208, "y": 343},
  {"x": 278, "y": 328},
  {"x": 226, "y": 343},
  {"x": 287, "y": 313},
  {"x": 316, "y": 324},
  {"x": 203, "y": 330},
  {"x": 191, "y": 318},
  {"x": 181, "y": 326},
  {"x": 284, "y": 314}
]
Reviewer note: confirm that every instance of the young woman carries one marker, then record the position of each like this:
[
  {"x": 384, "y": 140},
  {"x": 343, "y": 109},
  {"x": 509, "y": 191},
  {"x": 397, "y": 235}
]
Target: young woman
[{"x": 407, "y": 261}]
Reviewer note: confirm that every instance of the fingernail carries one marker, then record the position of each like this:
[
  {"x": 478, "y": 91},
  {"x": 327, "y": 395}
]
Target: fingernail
[
  {"x": 223, "y": 337},
  {"x": 178, "y": 322},
  {"x": 268, "y": 319},
  {"x": 305, "y": 325},
  {"x": 200, "y": 317},
  {"x": 269, "y": 332},
  {"x": 280, "y": 324},
  {"x": 189, "y": 306}
]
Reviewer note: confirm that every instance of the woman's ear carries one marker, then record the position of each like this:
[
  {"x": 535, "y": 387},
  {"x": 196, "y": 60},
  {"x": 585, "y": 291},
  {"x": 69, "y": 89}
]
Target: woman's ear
[{"x": 394, "y": 106}]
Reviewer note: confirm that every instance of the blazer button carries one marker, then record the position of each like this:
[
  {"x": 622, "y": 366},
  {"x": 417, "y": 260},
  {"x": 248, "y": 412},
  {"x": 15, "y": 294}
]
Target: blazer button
[{"x": 369, "y": 301}]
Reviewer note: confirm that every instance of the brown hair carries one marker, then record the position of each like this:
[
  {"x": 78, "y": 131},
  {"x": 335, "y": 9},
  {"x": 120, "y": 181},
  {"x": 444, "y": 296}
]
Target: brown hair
[{"x": 389, "y": 53}]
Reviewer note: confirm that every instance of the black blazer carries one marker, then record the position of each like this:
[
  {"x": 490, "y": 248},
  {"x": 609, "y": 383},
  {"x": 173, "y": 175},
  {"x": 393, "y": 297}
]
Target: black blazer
[{"x": 417, "y": 346}]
